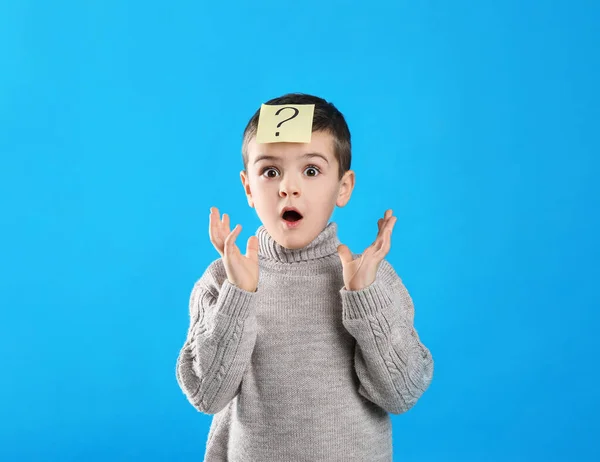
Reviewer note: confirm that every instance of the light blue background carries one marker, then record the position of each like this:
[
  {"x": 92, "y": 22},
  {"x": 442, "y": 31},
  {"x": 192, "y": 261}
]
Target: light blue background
[{"x": 475, "y": 121}]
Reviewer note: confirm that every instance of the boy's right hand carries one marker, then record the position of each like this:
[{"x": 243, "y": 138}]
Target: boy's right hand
[{"x": 242, "y": 271}]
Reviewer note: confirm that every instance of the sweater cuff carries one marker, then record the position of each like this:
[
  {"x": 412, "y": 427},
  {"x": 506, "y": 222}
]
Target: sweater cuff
[
  {"x": 366, "y": 302},
  {"x": 235, "y": 302}
]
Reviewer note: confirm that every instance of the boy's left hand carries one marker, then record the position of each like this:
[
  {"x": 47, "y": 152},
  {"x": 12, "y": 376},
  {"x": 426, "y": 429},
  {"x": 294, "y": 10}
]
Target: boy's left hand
[{"x": 360, "y": 272}]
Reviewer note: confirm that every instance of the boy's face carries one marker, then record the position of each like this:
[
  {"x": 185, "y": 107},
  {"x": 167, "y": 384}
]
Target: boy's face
[{"x": 292, "y": 180}]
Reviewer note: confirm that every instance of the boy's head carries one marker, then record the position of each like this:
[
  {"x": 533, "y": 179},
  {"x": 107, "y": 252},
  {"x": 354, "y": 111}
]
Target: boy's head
[{"x": 290, "y": 179}]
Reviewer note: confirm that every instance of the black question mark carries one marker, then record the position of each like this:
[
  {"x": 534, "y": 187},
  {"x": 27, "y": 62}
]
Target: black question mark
[{"x": 296, "y": 111}]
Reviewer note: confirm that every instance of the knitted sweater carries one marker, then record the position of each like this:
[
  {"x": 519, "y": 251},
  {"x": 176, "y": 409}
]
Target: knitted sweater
[{"x": 302, "y": 369}]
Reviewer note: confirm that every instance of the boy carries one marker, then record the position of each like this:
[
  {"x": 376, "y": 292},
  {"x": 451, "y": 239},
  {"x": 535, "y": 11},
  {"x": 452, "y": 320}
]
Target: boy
[{"x": 307, "y": 362}]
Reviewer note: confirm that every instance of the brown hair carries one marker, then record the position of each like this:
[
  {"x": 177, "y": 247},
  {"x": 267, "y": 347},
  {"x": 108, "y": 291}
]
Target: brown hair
[{"x": 326, "y": 118}]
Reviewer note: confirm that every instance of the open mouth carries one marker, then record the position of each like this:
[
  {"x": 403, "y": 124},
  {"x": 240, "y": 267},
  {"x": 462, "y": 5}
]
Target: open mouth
[{"x": 291, "y": 216}]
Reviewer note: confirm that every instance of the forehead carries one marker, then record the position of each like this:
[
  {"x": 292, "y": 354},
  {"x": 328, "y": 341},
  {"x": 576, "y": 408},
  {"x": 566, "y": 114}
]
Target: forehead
[{"x": 320, "y": 142}]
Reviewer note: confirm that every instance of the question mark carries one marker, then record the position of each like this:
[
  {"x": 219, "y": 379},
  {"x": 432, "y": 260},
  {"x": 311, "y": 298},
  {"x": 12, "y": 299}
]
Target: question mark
[{"x": 296, "y": 111}]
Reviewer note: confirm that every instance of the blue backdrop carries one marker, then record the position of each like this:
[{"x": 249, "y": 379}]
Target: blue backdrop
[{"x": 121, "y": 124}]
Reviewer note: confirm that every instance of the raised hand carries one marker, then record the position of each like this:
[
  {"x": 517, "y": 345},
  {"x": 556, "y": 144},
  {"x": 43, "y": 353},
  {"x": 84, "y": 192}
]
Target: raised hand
[
  {"x": 242, "y": 271},
  {"x": 361, "y": 272}
]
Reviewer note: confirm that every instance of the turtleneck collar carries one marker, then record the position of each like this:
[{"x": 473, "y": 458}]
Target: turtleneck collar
[{"x": 324, "y": 245}]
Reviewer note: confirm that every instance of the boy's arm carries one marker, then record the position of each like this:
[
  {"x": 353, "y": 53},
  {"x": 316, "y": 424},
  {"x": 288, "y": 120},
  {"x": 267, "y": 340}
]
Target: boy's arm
[
  {"x": 218, "y": 346},
  {"x": 393, "y": 366}
]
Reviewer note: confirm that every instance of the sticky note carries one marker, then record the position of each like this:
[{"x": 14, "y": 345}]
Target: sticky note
[{"x": 290, "y": 123}]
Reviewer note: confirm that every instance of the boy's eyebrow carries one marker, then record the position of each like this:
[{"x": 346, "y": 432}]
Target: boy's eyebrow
[{"x": 308, "y": 155}]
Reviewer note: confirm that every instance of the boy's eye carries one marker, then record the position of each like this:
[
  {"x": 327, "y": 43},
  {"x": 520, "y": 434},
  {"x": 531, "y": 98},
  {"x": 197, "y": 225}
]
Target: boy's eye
[{"x": 310, "y": 167}]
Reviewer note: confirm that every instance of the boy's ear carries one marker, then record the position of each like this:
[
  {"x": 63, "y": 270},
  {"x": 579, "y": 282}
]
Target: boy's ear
[
  {"x": 246, "y": 186},
  {"x": 346, "y": 188},
  {"x": 245, "y": 182}
]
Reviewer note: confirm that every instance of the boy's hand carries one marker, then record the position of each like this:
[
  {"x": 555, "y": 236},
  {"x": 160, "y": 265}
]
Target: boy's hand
[
  {"x": 360, "y": 272},
  {"x": 242, "y": 271}
]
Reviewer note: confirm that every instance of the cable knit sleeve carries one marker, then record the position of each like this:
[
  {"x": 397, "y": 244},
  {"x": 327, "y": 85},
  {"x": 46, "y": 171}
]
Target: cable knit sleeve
[
  {"x": 219, "y": 343},
  {"x": 393, "y": 366}
]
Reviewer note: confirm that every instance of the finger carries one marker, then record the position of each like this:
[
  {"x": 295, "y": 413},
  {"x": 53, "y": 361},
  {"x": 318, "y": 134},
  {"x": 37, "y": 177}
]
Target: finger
[
  {"x": 391, "y": 223},
  {"x": 380, "y": 226},
  {"x": 213, "y": 225},
  {"x": 388, "y": 223},
  {"x": 230, "y": 240},
  {"x": 382, "y": 223},
  {"x": 379, "y": 242},
  {"x": 226, "y": 229},
  {"x": 252, "y": 248},
  {"x": 385, "y": 229},
  {"x": 385, "y": 242}
]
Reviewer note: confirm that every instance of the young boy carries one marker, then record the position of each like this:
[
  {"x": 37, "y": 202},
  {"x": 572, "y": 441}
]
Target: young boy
[{"x": 306, "y": 362}]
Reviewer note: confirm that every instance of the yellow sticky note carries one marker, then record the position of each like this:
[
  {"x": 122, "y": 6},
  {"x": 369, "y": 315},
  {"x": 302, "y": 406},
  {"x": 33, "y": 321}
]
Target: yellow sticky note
[{"x": 285, "y": 123}]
